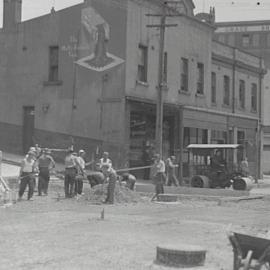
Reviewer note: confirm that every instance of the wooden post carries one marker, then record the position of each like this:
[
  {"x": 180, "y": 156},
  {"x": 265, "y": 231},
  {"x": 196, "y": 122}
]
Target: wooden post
[{"x": 181, "y": 148}]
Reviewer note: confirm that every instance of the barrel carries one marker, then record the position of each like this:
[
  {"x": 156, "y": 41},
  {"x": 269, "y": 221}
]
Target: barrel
[
  {"x": 242, "y": 183},
  {"x": 200, "y": 181}
]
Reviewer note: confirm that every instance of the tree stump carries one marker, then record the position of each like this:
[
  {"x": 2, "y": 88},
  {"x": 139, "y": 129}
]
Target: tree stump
[{"x": 180, "y": 255}]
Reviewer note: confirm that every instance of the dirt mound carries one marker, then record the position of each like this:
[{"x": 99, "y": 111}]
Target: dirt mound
[{"x": 121, "y": 194}]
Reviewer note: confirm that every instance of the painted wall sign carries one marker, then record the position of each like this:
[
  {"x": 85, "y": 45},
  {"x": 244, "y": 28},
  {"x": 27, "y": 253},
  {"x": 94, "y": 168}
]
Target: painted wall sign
[{"x": 243, "y": 28}]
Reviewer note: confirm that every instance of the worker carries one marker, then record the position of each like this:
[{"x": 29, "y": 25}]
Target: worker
[
  {"x": 27, "y": 175},
  {"x": 45, "y": 163},
  {"x": 105, "y": 160},
  {"x": 159, "y": 176},
  {"x": 171, "y": 174},
  {"x": 111, "y": 175},
  {"x": 80, "y": 172},
  {"x": 217, "y": 161},
  {"x": 244, "y": 167},
  {"x": 130, "y": 180},
  {"x": 70, "y": 173}
]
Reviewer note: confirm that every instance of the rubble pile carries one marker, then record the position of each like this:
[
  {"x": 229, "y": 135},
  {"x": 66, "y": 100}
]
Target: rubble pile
[{"x": 121, "y": 194}]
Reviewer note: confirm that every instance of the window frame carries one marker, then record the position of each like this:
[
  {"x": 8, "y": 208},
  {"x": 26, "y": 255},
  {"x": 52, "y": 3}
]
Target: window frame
[
  {"x": 142, "y": 71},
  {"x": 213, "y": 87},
  {"x": 254, "y": 109},
  {"x": 242, "y": 94},
  {"x": 226, "y": 90},
  {"x": 184, "y": 76},
  {"x": 200, "y": 79},
  {"x": 53, "y": 74}
]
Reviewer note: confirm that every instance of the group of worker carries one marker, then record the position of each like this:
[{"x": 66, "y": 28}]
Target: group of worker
[{"x": 39, "y": 161}]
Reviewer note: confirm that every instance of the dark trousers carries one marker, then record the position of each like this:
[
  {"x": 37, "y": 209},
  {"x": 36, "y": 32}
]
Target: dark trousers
[
  {"x": 43, "y": 180},
  {"x": 70, "y": 174},
  {"x": 172, "y": 180},
  {"x": 27, "y": 179},
  {"x": 78, "y": 184},
  {"x": 160, "y": 179}
]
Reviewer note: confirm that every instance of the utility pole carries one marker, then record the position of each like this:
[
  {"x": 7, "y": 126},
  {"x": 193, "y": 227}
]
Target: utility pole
[{"x": 162, "y": 85}]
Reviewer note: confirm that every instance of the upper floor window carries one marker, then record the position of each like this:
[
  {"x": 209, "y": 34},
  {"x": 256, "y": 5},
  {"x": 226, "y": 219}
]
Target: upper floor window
[
  {"x": 226, "y": 95},
  {"x": 184, "y": 74},
  {"x": 142, "y": 65},
  {"x": 254, "y": 97},
  {"x": 213, "y": 87},
  {"x": 165, "y": 66},
  {"x": 53, "y": 63},
  {"x": 231, "y": 40},
  {"x": 200, "y": 78},
  {"x": 268, "y": 39},
  {"x": 242, "y": 90},
  {"x": 245, "y": 40},
  {"x": 256, "y": 40},
  {"x": 221, "y": 38}
]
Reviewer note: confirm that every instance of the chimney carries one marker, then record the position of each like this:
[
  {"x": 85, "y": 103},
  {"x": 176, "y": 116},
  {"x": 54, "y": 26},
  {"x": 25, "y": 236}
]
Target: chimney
[{"x": 12, "y": 13}]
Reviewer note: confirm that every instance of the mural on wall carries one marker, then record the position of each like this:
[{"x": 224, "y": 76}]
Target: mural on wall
[{"x": 96, "y": 33}]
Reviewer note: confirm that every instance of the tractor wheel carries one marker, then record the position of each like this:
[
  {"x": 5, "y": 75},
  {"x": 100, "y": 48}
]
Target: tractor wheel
[{"x": 200, "y": 181}]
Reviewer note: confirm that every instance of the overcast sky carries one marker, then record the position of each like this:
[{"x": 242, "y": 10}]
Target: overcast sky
[{"x": 226, "y": 10}]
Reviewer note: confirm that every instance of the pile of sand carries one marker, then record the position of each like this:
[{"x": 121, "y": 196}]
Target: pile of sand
[{"x": 121, "y": 194}]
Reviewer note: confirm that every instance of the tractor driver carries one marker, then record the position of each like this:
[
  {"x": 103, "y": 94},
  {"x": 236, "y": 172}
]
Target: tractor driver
[{"x": 217, "y": 161}]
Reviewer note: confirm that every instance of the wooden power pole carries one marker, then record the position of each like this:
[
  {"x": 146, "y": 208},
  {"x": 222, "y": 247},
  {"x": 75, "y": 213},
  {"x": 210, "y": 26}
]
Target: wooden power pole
[{"x": 162, "y": 85}]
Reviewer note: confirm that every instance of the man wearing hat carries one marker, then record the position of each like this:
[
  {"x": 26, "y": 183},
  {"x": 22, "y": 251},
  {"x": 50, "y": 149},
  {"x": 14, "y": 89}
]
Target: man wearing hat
[
  {"x": 71, "y": 164},
  {"x": 109, "y": 173},
  {"x": 44, "y": 163},
  {"x": 80, "y": 172},
  {"x": 159, "y": 176},
  {"x": 26, "y": 175},
  {"x": 170, "y": 168}
]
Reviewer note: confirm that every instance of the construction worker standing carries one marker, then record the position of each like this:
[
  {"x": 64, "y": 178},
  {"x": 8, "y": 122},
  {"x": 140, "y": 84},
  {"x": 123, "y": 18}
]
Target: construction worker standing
[
  {"x": 44, "y": 163},
  {"x": 70, "y": 173},
  {"x": 27, "y": 176},
  {"x": 170, "y": 168},
  {"x": 159, "y": 176},
  {"x": 109, "y": 173}
]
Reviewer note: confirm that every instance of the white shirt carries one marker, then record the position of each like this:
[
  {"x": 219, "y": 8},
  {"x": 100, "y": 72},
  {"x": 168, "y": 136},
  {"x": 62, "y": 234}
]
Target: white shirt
[
  {"x": 159, "y": 166},
  {"x": 103, "y": 162},
  {"x": 81, "y": 162}
]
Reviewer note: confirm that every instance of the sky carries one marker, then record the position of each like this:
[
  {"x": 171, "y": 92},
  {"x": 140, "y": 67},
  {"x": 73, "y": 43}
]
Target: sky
[{"x": 226, "y": 10}]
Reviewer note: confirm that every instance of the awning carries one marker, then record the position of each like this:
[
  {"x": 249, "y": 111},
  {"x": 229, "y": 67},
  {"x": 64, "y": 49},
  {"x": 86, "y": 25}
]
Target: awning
[{"x": 213, "y": 146}]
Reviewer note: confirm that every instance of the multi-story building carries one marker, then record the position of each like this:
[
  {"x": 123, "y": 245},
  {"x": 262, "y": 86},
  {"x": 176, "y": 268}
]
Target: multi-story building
[
  {"x": 252, "y": 37},
  {"x": 88, "y": 75}
]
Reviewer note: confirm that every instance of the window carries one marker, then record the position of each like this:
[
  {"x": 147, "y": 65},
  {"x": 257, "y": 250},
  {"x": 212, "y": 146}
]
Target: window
[
  {"x": 256, "y": 40},
  {"x": 254, "y": 97},
  {"x": 53, "y": 63},
  {"x": 268, "y": 40},
  {"x": 184, "y": 74},
  {"x": 142, "y": 66},
  {"x": 165, "y": 66},
  {"x": 226, "y": 97},
  {"x": 245, "y": 40},
  {"x": 242, "y": 94},
  {"x": 231, "y": 40},
  {"x": 213, "y": 87},
  {"x": 200, "y": 78},
  {"x": 221, "y": 38}
]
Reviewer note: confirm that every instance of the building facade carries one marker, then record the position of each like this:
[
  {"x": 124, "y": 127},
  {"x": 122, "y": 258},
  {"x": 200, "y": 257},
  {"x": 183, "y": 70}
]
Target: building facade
[
  {"x": 252, "y": 37},
  {"x": 88, "y": 75}
]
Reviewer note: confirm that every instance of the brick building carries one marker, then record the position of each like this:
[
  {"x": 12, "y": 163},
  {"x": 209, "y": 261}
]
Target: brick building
[
  {"x": 252, "y": 37},
  {"x": 88, "y": 74}
]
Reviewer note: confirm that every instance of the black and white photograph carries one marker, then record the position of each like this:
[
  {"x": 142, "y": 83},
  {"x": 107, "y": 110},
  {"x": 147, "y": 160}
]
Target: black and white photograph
[{"x": 134, "y": 134}]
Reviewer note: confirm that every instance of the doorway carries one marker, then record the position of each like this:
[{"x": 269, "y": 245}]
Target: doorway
[{"x": 28, "y": 127}]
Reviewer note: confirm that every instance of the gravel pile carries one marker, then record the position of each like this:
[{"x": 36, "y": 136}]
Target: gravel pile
[{"x": 121, "y": 194}]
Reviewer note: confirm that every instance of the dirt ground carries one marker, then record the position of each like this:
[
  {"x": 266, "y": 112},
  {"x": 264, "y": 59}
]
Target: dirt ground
[{"x": 48, "y": 233}]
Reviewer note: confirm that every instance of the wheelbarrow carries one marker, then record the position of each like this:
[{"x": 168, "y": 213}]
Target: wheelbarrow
[{"x": 250, "y": 252}]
